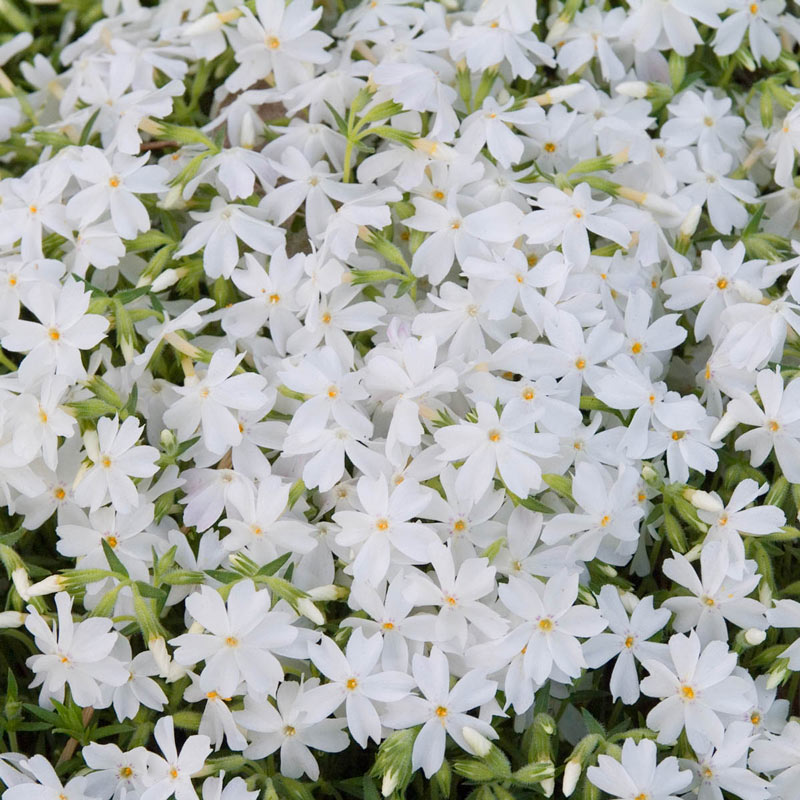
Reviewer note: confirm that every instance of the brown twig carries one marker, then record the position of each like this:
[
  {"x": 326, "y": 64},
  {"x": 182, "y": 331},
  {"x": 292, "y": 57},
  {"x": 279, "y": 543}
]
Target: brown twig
[{"x": 71, "y": 745}]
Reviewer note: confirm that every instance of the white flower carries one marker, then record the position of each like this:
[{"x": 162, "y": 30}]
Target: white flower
[
  {"x": 627, "y": 641},
  {"x": 115, "y": 459},
  {"x": 172, "y": 774},
  {"x": 441, "y": 710},
  {"x": 774, "y": 426},
  {"x": 505, "y": 443},
  {"x": 567, "y": 219},
  {"x": 694, "y": 687},
  {"x": 717, "y": 597},
  {"x": 54, "y": 343},
  {"x": 218, "y": 229},
  {"x": 75, "y": 655},
  {"x": 294, "y": 725},
  {"x": 113, "y": 185},
  {"x": 729, "y": 522},
  {"x": 115, "y": 773},
  {"x": 354, "y": 682},
  {"x": 639, "y": 774},
  {"x": 206, "y": 402},
  {"x": 239, "y": 642},
  {"x": 551, "y": 623}
]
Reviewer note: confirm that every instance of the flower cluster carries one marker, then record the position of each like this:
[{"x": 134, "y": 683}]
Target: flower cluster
[{"x": 418, "y": 381}]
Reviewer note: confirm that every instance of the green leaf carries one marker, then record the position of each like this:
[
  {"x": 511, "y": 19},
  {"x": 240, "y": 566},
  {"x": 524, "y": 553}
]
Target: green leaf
[{"x": 113, "y": 562}]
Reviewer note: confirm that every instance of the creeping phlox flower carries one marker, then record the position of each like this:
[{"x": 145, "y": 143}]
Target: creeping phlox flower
[{"x": 415, "y": 382}]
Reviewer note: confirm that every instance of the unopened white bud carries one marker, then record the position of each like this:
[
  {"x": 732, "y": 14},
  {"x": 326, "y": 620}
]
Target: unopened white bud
[
  {"x": 309, "y": 610},
  {"x": 572, "y": 772},
  {"x": 327, "y": 593},
  {"x": 724, "y": 427},
  {"x": 247, "y": 135},
  {"x": 479, "y": 744},
  {"x": 556, "y": 33},
  {"x": 174, "y": 198},
  {"x": 195, "y": 628},
  {"x": 634, "y": 89},
  {"x": 548, "y": 786},
  {"x": 389, "y": 783},
  {"x": 169, "y": 277},
  {"x": 690, "y": 221},
  {"x": 629, "y": 601},
  {"x": 558, "y": 94},
  {"x": 775, "y": 678},
  {"x": 748, "y": 292},
  {"x": 660, "y": 205},
  {"x": 210, "y": 23},
  {"x": 158, "y": 647},
  {"x": 12, "y": 619},
  {"x": 754, "y": 636},
  {"x": 22, "y": 583},
  {"x": 703, "y": 500},
  {"x": 50, "y": 585}
]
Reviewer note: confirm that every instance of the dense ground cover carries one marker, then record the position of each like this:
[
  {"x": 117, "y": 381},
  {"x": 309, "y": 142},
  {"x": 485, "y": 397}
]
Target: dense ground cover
[{"x": 400, "y": 398}]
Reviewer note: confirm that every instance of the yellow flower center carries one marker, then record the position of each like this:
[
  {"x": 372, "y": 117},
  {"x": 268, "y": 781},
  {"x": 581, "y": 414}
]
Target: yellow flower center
[
  {"x": 106, "y": 462},
  {"x": 709, "y": 601},
  {"x": 676, "y": 435},
  {"x": 755, "y": 718},
  {"x": 288, "y": 730},
  {"x": 388, "y": 626},
  {"x": 112, "y": 542},
  {"x": 580, "y": 363},
  {"x": 528, "y": 394},
  {"x": 232, "y": 641},
  {"x": 549, "y": 147},
  {"x": 773, "y": 426},
  {"x": 382, "y": 524},
  {"x": 604, "y": 520},
  {"x": 326, "y": 318},
  {"x": 450, "y": 600},
  {"x": 113, "y": 182},
  {"x": 59, "y": 493},
  {"x": 722, "y": 283},
  {"x": 441, "y": 712},
  {"x": 333, "y": 392},
  {"x": 636, "y": 348},
  {"x": 545, "y": 624},
  {"x": 173, "y": 773},
  {"x": 629, "y": 642},
  {"x": 438, "y": 195},
  {"x": 494, "y": 435},
  {"x": 274, "y": 299},
  {"x": 459, "y": 525},
  {"x": 273, "y": 42},
  {"x": 54, "y": 334},
  {"x": 125, "y": 772},
  {"x": 687, "y": 692},
  {"x": 351, "y": 683}
]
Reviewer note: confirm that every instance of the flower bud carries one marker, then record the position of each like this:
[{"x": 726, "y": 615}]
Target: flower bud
[
  {"x": 12, "y": 619},
  {"x": 327, "y": 593},
  {"x": 477, "y": 741},
  {"x": 754, "y": 636},
  {"x": 389, "y": 783},
  {"x": 572, "y": 773},
  {"x": 636, "y": 89},
  {"x": 702, "y": 500},
  {"x": 310, "y": 611},
  {"x": 50, "y": 585},
  {"x": 689, "y": 224},
  {"x": 169, "y": 277},
  {"x": 21, "y": 582},
  {"x": 158, "y": 647}
]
